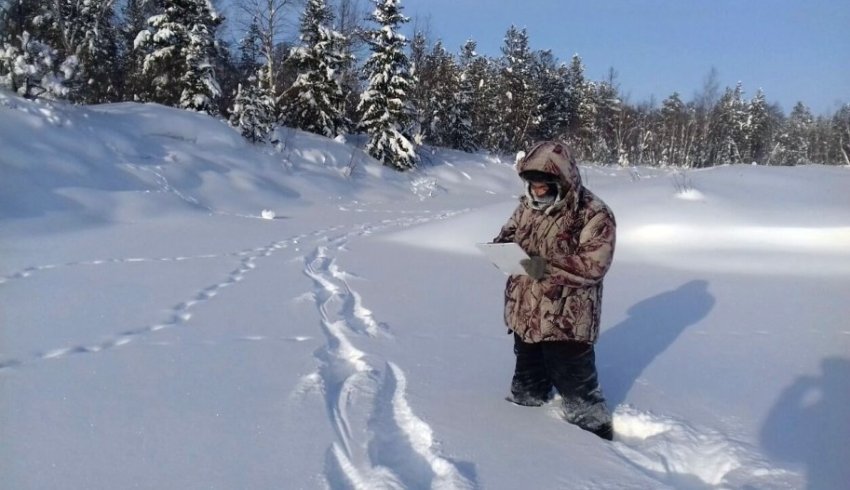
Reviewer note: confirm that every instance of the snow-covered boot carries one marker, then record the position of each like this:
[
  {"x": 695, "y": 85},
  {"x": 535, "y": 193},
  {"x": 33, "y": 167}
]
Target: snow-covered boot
[
  {"x": 525, "y": 400},
  {"x": 590, "y": 414},
  {"x": 573, "y": 373}
]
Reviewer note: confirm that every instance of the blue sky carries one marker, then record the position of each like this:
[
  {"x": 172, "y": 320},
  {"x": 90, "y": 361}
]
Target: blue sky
[{"x": 794, "y": 50}]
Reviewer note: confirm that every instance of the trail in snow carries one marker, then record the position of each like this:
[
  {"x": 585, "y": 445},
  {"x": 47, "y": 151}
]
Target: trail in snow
[
  {"x": 380, "y": 442},
  {"x": 180, "y": 314}
]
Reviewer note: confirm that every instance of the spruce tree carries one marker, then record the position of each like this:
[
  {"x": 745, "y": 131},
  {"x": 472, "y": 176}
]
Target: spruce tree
[
  {"x": 726, "y": 128},
  {"x": 135, "y": 15},
  {"x": 758, "y": 129},
  {"x": 581, "y": 105},
  {"x": 551, "y": 80},
  {"x": 32, "y": 63},
  {"x": 419, "y": 93},
  {"x": 28, "y": 68},
  {"x": 88, "y": 32},
  {"x": 253, "y": 110},
  {"x": 520, "y": 115},
  {"x": 441, "y": 90},
  {"x": 610, "y": 143},
  {"x": 477, "y": 77},
  {"x": 841, "y": 134},
  {"x": 179, "y": 47},
  {"x": 384, "y": 104},
  {"x": 460, "y": 134},
  {"x": 794, "y": 139},
  {"x": 316, "y": 100},
  {"x": 674, "y": 134}
]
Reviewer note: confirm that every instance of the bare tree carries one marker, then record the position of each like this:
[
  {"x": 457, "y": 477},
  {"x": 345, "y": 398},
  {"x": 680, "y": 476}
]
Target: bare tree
[
  {"x": 275, "y": 18},
  {"x": 350, "y": 15}
]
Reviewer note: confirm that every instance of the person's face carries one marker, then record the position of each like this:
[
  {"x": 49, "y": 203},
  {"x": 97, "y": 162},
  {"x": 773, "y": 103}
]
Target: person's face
[{"x": 539, "y": 189}]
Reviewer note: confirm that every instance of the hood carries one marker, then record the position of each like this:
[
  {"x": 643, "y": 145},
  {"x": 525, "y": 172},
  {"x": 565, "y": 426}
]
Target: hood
[{"x": 555, "y": 158}]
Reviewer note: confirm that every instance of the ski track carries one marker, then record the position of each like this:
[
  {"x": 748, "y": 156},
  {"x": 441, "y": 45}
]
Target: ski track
[{"x": 380, "y": 443}]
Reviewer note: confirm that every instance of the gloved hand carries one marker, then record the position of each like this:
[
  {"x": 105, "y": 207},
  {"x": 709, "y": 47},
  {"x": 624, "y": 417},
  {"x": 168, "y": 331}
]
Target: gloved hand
[{"x": 535, "y": 267}]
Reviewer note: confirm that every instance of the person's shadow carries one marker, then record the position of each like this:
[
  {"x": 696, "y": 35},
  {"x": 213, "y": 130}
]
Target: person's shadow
[
  {"x": 652, "y": 326},
  {"x": 809, "y": 424}
]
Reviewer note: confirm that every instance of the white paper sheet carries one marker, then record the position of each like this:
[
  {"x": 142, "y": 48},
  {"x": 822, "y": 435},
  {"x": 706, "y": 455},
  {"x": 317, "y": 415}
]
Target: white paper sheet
[{"x": 505, "y": 256}]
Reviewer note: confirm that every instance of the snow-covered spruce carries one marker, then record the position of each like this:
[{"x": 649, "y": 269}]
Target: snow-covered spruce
[
  {"x": 178, "y": 45},
  {"x": 384, "y": 104},
  {"x": 253, "y": 110},
  {"x": 316, "y": 100}
]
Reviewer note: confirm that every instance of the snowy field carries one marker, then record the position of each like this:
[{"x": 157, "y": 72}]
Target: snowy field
[{"x": 180, "y": 309}]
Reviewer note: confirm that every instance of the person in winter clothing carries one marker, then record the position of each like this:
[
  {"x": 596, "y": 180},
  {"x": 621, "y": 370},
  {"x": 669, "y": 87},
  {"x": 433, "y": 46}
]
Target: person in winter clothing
[{"x": 554, "y": 310}]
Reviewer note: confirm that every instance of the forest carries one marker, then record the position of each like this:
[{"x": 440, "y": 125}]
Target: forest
[{"x": 351, "y": 70}]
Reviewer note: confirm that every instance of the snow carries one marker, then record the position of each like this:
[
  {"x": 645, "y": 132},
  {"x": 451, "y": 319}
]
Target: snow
[{"x": 156, "y": 333}]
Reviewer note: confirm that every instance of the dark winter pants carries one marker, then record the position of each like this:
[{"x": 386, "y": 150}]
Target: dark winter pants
[{"x": 569, "y": 367}]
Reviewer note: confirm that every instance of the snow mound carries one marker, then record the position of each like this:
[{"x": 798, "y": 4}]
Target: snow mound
[
  {"x": 686, "y": 455},
  {"x": 690, "y": 195}
]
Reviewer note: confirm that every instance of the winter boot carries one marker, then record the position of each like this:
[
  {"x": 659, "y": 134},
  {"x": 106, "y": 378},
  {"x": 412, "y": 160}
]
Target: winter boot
[
  {"x": 525, "y": 400},
  {"x": 572, "y": 369},
  {"x": 530, "y": 386},
  {"x": 590, "y": 414},
  {"x": 606, "y": 432}
]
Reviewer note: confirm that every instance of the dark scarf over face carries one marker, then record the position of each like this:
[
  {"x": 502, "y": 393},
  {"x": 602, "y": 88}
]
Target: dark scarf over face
[{"x": 554, "y": 195}]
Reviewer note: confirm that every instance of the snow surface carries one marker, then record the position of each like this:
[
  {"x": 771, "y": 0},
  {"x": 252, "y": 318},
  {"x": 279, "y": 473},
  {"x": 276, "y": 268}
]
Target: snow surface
[{"x": 180, "y": 309}]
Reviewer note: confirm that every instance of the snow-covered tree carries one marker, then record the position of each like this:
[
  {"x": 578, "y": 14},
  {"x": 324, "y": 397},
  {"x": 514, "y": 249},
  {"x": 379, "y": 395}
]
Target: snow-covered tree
[
  {"x": 29, "y": 68},
  {"x": 316, "y": 101},
  {"x": 253, "y": 110},
  {"x": 551, "y": 80},
  {"x": 32, "y": 62},
  {"x": 613, "y": 126},
  {"x": 384, "y": 104},
  {"x": 675, "y": 132},
  {"x": 478, "y": 76},
  {"x": 519, "y": 115},
  {"x": 758, "y": 129},
  {"x": 135, "y": 15},
  {"x": 419, "y": 94},
  {"x": 794, "y": 139},
  {"x": 86, "y": 30},
  {"x": 726, "y": 128},
  {"x": 440, "y": 82},
  {"x": 179, "y": 47},
  {"x": 581, "y": 106},
  {"x": 459, "y": 132},
  {"x": 841, "y": 134}
]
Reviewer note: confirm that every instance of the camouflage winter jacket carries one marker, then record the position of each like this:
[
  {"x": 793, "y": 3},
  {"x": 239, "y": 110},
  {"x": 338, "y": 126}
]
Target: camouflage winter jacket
[{"x": 576, "y": 236}]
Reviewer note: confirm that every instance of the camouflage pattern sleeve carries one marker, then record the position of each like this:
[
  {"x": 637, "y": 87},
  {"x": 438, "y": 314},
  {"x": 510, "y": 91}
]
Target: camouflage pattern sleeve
[
  {"x": 592, "y": 257},
  {"x": 508, "y": 231}
]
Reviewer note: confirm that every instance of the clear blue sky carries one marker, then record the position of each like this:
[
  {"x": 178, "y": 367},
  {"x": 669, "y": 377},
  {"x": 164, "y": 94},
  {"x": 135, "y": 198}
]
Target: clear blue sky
[{"x": 792, "y": 49}]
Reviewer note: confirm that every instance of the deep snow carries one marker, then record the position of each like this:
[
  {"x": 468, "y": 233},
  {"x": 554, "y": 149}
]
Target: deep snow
[{"x": 181, "y": 309}]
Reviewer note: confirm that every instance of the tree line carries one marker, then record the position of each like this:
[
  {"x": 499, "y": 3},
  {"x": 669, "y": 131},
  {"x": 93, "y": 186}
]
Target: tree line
[{"x": 401, "y": 93}]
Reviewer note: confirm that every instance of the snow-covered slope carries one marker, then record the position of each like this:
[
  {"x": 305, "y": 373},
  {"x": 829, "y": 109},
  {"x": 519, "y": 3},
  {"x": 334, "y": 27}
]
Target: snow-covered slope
[{"x": 159, "y": 330}]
